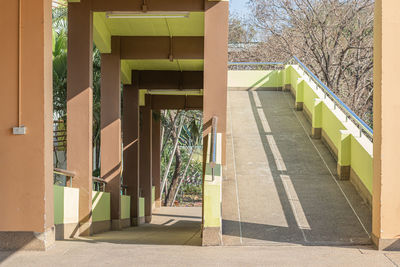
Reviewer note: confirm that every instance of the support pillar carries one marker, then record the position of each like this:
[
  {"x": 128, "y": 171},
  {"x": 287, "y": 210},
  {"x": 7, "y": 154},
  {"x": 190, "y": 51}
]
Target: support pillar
[
  {"x": 385, "y": 196},
  {"x": 216, "y": 68},
  {"x": 145, "y": 157},
  {"x": 344, "y": 155},
  {"x": 111, "y": 129},
  {"x": 130, "y": 124},
  {"x": 80, "y": 107},
  {"x": 316, "y": 123},
  {"x": 299, "y": 95},
  {"x": 26, "y": 161},
  {"x": 214, "y": 99},
  {"x": 156, "y": 157}
]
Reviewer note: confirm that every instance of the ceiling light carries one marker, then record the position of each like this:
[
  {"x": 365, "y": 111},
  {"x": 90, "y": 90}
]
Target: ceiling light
[{"x": 146, "y": 15}]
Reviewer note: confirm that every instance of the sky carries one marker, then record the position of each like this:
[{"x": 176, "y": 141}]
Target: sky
[{"x": 238, "y": 6}]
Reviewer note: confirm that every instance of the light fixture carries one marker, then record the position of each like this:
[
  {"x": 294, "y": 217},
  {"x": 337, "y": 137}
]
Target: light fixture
[{"x": 146, "y": 15}]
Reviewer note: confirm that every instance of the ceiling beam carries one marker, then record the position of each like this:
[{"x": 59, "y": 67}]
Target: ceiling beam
[
  {"x": 151, "y": 5},
  {"x": 173, "y": 80},
  {"x": 176, "y": 102},
  {"x": 164, "y": 47}
]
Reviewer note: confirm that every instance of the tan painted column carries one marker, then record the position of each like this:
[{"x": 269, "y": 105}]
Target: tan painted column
[
  {"x": 216, "y": 67},
  {"x": 130, "y": 124},
  {"x": 145, "y": 157},
  {"x": 26, "y": 162},
  {"x": 156, "y": 156},
  {"x": 110, "y": 140},
  {"x": 79, "y": 107},
  {"x": 385, "y": 198}
]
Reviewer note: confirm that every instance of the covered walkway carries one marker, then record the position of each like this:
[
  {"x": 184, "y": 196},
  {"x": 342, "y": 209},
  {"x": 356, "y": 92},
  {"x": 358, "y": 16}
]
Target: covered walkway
[
  {"x": 169, "y": 226},
  {"x": 281, "y": 185}
]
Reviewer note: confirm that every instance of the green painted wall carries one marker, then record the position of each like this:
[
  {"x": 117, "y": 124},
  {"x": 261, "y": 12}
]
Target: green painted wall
[
  {"x": 331, "y": 125},
  {"x": 100, "y": 206},
  {"x": 58, "y": 204},
  {"x": 254, "y": 79},
  {"x": 362, "y": 163},
  {"x": 141, "y": 206},
  {"x": 212, "y": 216},
  {"x": 153, "y": 195},
  {"x": 125, "y": 207},
  {"x": 66, "y": 205}
]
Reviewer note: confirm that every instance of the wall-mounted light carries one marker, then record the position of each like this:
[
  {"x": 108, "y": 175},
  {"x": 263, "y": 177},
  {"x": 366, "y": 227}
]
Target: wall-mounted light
[{"x": 146, "y": 15}]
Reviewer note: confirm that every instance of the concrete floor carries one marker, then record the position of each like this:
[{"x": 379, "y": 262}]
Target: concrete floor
[
  {"x": 169, "y": 226},
  {"x": 281, "y": 207},
  {"x": 280, "y": 185}
]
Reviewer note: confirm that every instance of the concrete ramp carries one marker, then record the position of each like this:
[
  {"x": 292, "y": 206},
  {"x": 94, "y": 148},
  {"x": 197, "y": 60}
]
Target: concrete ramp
[{"x": 280, "y": 185}]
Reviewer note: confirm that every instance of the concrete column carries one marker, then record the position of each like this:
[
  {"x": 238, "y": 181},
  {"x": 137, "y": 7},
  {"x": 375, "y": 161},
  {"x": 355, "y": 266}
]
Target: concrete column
[
  {"x": 215, "y": 92},
  {"x": 26, "y": 162},
  {"x": 216, "y": 67},
  {"x": 79, "y": 107},
  {"x": 316, "y": 129},
  {"x": 344, "y": 155},
  {"x": 299, "y": 95},
  {"x": 130, "y": 124},
  {"x": 145, "y": 157},
  {"x": 111, "y": 129},
  {"x": 156, "y": 156},
  {"x": 385, "y": 197}
]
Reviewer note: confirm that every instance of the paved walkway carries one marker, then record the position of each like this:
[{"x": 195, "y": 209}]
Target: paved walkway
[
  {"x": 169, "y": 226},
  {"x": 280, "y": 186}
]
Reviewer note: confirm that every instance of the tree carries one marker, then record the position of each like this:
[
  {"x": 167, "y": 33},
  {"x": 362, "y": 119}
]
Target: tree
[
  {"x": 334, "y": 38},
  {"x": 240, "y": 31},
  {"x": 182, "y": 131},
  {"x": 60, "y": 27}
]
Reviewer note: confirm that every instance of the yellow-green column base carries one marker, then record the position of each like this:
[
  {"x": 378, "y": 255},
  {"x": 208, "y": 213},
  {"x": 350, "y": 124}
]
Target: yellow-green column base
[
  {"x": 316, "y": 133},
  {"x": 343, "y": 172},
  {"x": 298, "y": 106},
  {"x": 287, "y": 87},
  {"x": 27, "y": 240},
  {"x": 211, "y": 236}
]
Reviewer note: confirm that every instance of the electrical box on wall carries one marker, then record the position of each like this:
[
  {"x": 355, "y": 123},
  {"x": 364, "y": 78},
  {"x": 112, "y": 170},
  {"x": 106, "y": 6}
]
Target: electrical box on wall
[{"x": 21, "y": 130}]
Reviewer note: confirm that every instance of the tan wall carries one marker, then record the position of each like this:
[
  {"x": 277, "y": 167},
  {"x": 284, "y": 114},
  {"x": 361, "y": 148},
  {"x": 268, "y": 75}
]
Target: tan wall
[
  {"x": 386, "y": 200},
  {"x": 26, "y": 182}
]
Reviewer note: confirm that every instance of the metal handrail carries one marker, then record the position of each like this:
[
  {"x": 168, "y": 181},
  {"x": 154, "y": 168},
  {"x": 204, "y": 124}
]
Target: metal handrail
[
  {"x": 124, "y": 189},
  {"x": 213, "y": 149},
  {"x": 68, "y": 174},
  {"x": 361, "y": 125},
  {"x": 343, "y": 107},
  {"x": 99, "y": 181}
]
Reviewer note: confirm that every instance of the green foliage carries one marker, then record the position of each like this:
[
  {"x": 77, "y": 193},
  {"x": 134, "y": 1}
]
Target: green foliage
[{"x": 60, "y": 40}]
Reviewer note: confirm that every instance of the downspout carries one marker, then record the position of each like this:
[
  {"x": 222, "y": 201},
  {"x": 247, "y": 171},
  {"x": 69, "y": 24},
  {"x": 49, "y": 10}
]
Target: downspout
[
  {"x": 20, "y": 129},
  {"x": 19, "y": 61}
]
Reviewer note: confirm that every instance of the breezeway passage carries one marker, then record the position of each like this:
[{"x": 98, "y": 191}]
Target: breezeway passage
[{"x": 280, "y": 185}]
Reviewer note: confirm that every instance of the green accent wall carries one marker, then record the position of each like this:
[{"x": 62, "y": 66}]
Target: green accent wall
[
  {"x": 100, "y": 206},
  {"x": 362, "y": 163},
  {"x": 253, "y": 79},
  {"x": 153, "y": 195},
  {"x": 141, "y": 206},
  {"x": 66, "y": 205},
  {"x": 58, "y": 204},
  {"x": 125, "y": 207}
]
